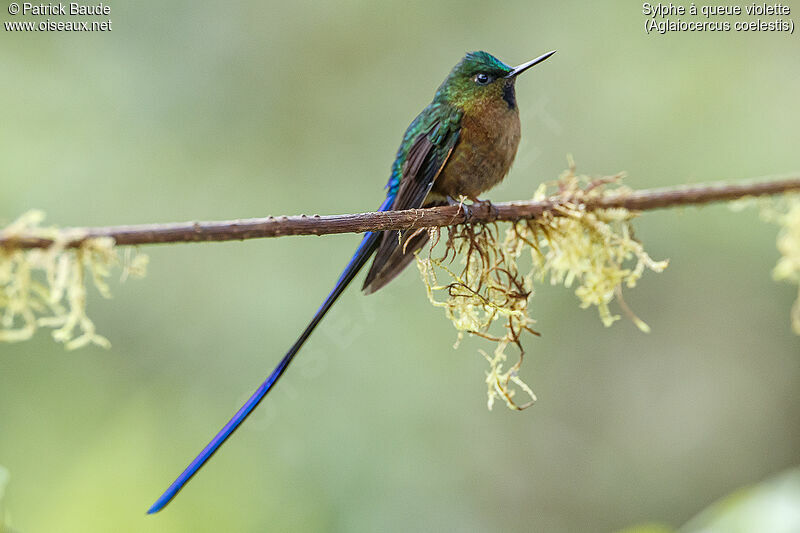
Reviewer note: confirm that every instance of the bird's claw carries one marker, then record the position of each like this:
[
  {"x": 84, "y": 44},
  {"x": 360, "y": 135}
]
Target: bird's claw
[{"x": 467, "y": 210}]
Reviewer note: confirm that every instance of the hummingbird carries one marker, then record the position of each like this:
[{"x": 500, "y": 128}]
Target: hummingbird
[{"x": 461, "y": 145}]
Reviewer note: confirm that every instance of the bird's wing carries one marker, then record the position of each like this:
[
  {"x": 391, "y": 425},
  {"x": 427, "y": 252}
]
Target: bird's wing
[{"x": 422, "y": 164}]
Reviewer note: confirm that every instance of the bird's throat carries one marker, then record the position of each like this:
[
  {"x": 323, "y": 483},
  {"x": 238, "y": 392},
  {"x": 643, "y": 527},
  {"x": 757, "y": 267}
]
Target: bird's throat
[{"x": 509, "y": 95}]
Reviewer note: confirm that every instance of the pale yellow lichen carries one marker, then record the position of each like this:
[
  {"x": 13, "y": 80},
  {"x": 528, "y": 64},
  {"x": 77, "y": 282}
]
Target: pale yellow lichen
[
  {"x": 592, "y": 250},
  {"x": 786, "y": 213},
  {"x": 47, "y": 287},
  {"x": 488, "y": 288}
]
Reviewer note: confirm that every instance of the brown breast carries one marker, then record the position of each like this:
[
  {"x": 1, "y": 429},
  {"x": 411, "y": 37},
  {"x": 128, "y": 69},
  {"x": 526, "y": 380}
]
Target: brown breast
[{"x": 486, "y": 148}]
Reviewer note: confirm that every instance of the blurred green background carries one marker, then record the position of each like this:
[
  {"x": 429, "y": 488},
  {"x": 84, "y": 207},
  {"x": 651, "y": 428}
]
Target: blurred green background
[{"x": 194, "y": 110}]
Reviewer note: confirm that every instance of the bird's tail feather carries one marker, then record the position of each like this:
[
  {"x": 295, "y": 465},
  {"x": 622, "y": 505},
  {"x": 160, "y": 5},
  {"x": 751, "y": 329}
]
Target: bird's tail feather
[{"x": 359, "y": 259}]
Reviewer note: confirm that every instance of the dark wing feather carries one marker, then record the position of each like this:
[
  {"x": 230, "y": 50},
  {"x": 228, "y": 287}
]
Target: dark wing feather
[
  {"x": 395, "y": 258},
  {"x": 424, "y": 162}
]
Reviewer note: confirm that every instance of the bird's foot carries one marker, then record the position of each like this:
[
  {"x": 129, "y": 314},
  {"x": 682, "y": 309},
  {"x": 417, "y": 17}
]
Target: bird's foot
[
  {"x": 462, "y": 207},
  {"x": 477, "y": 203},
  {"x": 469, "y": 210}
]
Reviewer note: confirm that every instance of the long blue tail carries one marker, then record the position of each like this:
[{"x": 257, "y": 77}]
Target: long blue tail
[{"x": 360, "y": 258}]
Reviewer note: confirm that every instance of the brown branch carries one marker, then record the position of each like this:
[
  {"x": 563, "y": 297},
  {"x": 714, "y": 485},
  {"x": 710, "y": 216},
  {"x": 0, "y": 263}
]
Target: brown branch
[{"x": 228, "y": 230}]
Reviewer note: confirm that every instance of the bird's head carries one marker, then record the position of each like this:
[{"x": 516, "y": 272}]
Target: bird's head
[{"x": 480, "y": 77}]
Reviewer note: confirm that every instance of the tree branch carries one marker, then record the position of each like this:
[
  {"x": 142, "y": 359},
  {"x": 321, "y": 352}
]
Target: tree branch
[{"x": 254, "y": 228}]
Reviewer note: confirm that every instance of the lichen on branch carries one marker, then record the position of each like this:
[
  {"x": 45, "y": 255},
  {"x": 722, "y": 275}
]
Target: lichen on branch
[
  {"x": 594, "y": 251},
  {"x": 47, "y": 287},
  {"x": 786, "y": 213},
  {"x": 576, "y": 232}
]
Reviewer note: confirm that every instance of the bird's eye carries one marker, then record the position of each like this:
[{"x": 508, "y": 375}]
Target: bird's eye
[{"x": 482, "y": 79}]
